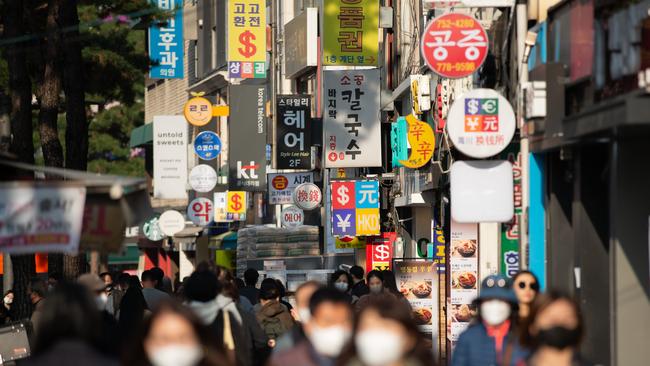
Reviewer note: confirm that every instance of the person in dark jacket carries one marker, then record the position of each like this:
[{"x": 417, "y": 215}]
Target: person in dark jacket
[
  {"x": 492, "y": 339},
  {"x": 301, "y": 314},
  {"x": 342, "y": 281},
  {"x": 70, "y": 330},
  {"x": 6, "y": 309},
  {"x": 96, "y": 288},
  {"x": 133, "y": 308},
  {"x": 272, "y": 316},
  {"x": 359, "y": 287},
  {"x": 251, "y": 276}
]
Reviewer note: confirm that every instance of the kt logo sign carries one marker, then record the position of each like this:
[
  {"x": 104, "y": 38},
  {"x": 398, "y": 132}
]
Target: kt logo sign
[{"x": 247, "y": 171}]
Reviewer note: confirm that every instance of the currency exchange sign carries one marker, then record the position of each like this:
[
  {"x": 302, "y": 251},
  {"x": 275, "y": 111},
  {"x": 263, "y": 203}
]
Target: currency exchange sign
[
  {"x": 247, "y": 39},
  {"x": 454, "y": 45},
  {"x": 379, "y": 252},
  {"x": 351, "y": 29},
  {"x": 355, "y": 208}
]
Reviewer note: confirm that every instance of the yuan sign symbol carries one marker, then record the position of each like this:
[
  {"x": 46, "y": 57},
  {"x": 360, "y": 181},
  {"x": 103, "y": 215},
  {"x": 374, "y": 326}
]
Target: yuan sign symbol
[{"x": 368, "y": 193}]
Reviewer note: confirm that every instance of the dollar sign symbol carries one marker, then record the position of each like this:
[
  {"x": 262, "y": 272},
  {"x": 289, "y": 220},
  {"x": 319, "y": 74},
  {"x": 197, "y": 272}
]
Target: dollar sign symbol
[
  {"x": 472, "y": 106},
  {"x": 249, "y": 48},
  {"x": 343, "y": 197},
  {"x": 236, "y": 203},
  {"x": 381, "y": 252}
]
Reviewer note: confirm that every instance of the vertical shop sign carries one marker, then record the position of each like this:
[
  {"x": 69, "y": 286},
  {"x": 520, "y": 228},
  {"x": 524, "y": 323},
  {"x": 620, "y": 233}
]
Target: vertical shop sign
[
  {"x": 379, "y": 251},
  {"x": 166, "y": 42},
  {"x": 352, "y": 127},
  {"x": 293, "y": 142},
  {"x": 169, "y": 157},
  {"x": 350, "y": 32},
  {"x": 417, "y": 280},
  {"x": 422, "y": 141},
  {"x": 247, "y": 39},
  {"x": 464, "y": 276},
  {"x": 355, "y": 208},
  {"x": 247, "y": 147},
  {"x": 510, "y": 230}
]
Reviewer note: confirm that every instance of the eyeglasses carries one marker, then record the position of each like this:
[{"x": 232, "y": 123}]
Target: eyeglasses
[{"x": 533, "y": 285}]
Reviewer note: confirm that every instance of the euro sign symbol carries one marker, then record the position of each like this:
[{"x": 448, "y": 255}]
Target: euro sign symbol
[
  {"x": 343, "y": 197},
  {"x": 382, "y": 252},
  {"x": 246, "y": 39},
  {"x": 236, "y": 203},
  {"x": 472, "y": 106}
]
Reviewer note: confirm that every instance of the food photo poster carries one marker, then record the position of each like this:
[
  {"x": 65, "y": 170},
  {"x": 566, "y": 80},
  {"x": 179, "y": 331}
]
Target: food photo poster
[{"x": 464, "y": 276}]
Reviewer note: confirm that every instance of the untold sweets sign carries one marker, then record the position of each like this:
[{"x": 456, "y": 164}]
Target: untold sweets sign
[{"x": 170, "y": 157}]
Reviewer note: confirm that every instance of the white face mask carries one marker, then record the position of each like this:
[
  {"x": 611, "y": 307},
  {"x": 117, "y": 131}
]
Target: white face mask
[
  {"x": 304, "y": 314},
  {"x": 8, "y": 300},
  {"x": 378, "y": 347},
  {"x": 495, "y": 312},
  {"x": 376, "y": 289},
  {"x": 341, "y": 286},
  {"x": 101, "y": 301},
  {"x": 329, "y": 341},
  {"x": 176, "y": 355}
]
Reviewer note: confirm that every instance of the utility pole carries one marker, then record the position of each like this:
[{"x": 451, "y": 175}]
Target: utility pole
[{"x": 522, "y": 71}]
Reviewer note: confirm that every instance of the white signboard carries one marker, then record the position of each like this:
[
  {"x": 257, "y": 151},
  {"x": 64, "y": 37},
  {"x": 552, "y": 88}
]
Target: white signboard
[
  {"x": 200, "y": 211},
  {"x": 481, "y": 123},
  {"x": 41, "y": 219},
  {"x": 307, "y": 196},
  {"x": 203, "y": 178},
  {"x": 171, "y": 222},
  {"x": 170, "y": 157},
  {"x": 292, "y": 216},
  {"x": 281, "y": 186},
  {"x": 351, "y": 118}
]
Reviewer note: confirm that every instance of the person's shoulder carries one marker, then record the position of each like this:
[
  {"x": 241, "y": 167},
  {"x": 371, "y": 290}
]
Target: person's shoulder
[{"x": 296, "y": 355}]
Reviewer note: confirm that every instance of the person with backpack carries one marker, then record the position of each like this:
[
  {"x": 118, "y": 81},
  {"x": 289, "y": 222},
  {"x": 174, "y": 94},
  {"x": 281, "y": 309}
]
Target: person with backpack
[{"x": 272, "y": 316}]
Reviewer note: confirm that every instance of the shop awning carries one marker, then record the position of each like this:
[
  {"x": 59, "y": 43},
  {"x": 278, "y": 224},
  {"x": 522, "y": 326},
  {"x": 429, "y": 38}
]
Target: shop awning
[
  {"x": 227, "y": 240},
  {"x": 130, "y": 255},
  {"x": 142, "y": 135}
]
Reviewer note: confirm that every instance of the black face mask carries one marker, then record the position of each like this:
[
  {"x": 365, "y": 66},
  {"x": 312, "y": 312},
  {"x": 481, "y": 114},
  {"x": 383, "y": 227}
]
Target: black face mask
[{"x": 558, "y": 337}]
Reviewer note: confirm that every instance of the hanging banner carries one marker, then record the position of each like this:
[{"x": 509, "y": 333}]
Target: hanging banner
[
  {"x": 464, "y": 276},
  {"x": 41, "y": 219},
  {"x": 417, "y": 280},
  {"x": 351, "y": 122},
  {"x": 247, "y": 39},
  {"x": 422, "y": 141},
  {"x": 481, "y": 123},
  {"x": 293, "y": 135},
  {"x": 379, "y": 251},
  {"x": 247, "y": 138},
  {"x": 103, "y": 225},
  {"x": 166, "y": 42},
  {"x": 454, "y": 45},
  {"x": 281, "y": 186},
  {"x": 355, "y": 208},
  {"x": 169, "y": 157},
  {"x": 398, "y": 141},
  {"x": 510, "y": 230},
  {"x": 350, "y": 32}
]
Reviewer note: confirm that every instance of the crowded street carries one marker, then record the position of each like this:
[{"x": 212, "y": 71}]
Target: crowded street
[{"x": 324, "y": 182}]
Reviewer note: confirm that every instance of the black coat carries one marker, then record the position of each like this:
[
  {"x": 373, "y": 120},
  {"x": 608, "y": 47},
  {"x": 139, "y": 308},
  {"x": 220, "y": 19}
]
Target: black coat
[
  {"x": 360, "y": 289},
  {"x": 69, "y": 352}
]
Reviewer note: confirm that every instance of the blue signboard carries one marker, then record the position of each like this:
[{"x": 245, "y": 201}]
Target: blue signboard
[
  {"x": 166, "y": 42},
  {"x": 207, "y": 145},
  {"x": 399, "y": 145}
]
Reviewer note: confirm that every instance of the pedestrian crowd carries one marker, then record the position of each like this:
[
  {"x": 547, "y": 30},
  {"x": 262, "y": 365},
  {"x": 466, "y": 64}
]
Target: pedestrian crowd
[{"x": 214, "y": 318}]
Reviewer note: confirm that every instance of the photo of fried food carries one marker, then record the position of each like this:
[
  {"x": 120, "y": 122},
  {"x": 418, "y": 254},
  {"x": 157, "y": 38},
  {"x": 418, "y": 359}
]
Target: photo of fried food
[
  {"x": 405, "y": 287},
  {"x": 464, "y": 248},
  {"x": 464, "y": 280},
  {"x": 422, "y": 316}
]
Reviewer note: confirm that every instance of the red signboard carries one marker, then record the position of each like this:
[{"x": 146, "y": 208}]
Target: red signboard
[
  {"x": 454, "y": 45},
  {"x": 379, "y": 252}
]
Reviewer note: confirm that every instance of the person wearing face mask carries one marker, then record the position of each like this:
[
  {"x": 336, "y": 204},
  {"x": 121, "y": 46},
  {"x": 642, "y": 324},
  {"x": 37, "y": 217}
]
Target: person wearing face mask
[
  {"x": 526, "y": 288},
  {"x": 301, "y": 314},
  {"x": 174, "y": 336},
  {"x": 555, "y": 331},
  {"x": 386, "y": 335},
  {"x": 96, "y": 287},
  {"x": 492, "y": 338},
  {"x": 342, "y": 281},
  {"x": 328, "y": 330},
  {"x": 6, "y": 311},
  {"x": 377, "y": 290}
]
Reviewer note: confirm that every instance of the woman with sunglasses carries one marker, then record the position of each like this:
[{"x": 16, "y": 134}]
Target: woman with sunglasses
[{"x": 526, "y": 288}]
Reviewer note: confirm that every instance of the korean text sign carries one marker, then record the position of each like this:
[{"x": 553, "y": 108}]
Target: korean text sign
[
  {"x": 247, "y": 39},
  {"x": 355, "y": 208},
  {"x": 454, "y": 45},
  {"x": 170, "y": 157},
  {"x": 350, "y": 32},
  {"x": 379, "y": 251},
  {"x": 41, "y": 219},
  {"x": 351, "y": 123},
  {"x": 293, "y": 143},
  {"x": 166, "y": 42},
  {"x": 417, "y": 280},
  {"x": 281, "y": 186}
]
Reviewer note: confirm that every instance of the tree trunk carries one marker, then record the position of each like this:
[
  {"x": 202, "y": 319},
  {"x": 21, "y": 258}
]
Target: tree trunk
[
  {"x": 50, "y": 88},
  {"x": 24, "y": 270}
]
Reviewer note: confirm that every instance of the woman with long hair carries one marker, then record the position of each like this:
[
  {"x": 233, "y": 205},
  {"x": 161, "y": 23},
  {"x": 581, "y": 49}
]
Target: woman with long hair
[
  {"x": 526, "y": 287},
  {"x": 133, "y": 308},
  {"x": 386, "y": 334}
]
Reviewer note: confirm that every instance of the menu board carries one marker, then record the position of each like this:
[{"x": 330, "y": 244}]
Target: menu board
[
  {"x": 463, "y": 262},
  {"x": 417, "y": 280}
]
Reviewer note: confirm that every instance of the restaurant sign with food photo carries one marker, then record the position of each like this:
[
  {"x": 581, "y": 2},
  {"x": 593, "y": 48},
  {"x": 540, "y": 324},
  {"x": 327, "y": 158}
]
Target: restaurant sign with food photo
[
  {"x": 464, "y": 277},
  {"x": 417, "y": 280}
]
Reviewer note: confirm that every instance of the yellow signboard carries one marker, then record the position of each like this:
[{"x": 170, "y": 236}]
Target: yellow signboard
[
  {"x": 351, "y": 32},
  {"x": 422, "y": 140},
  {"x": 347, "y": 242},
  {"x": 236, "y": 202},
  {"x": 247, "y": 39}
]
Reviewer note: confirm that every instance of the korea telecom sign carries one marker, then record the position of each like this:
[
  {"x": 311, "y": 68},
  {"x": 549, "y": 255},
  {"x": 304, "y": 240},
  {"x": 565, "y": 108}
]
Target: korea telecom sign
[
  {"x": 247, "y": 39},
  {"x": 166, "y": 42},
  {"x": 350, "y": 32},
  {"x": 355, "y": 208}
]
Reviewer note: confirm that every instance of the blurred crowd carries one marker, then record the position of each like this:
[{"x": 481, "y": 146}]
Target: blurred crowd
[{"x": 214, "y": 318}]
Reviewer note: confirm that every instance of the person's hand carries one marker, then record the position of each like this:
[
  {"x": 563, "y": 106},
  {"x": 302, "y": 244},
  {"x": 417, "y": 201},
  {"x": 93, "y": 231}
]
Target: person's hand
[
  {"x": 271, "y": 343},
  {"x": 294, "y": 314}
]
